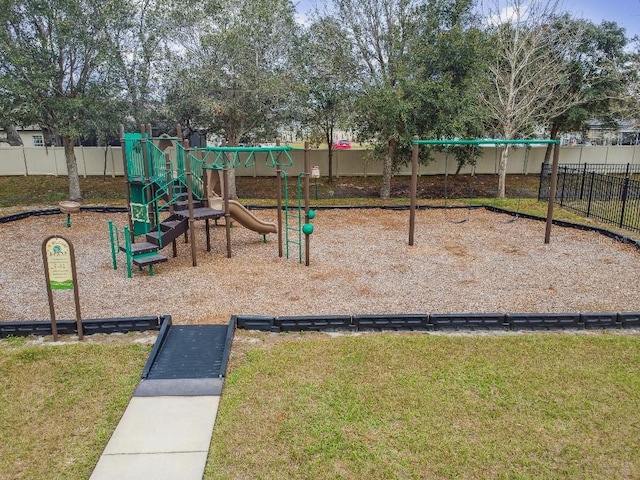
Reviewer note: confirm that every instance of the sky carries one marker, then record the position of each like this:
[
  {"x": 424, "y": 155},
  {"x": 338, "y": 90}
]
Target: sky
[{"x": 625, "y": 13}]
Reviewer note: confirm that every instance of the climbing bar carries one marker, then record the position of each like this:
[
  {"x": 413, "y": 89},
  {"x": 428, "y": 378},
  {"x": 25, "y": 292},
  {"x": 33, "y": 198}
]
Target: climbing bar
[{"x": 229, "y": 157}]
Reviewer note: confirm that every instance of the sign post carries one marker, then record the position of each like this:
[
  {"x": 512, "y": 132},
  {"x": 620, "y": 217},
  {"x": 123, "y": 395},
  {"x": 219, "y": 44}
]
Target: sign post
[{"x": 60, "y": 274}]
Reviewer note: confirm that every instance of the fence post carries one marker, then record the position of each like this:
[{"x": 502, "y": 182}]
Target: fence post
[
  {"x": 626, "y": 173},
  {"x": 590, "y": 194},
  {"x": 564, "y": 181},
  {"x": 24, "y": 157},
  {"x": 625, "y": 193},
  {"x": 540, "y": 183},
  {"x": 584, "y": 174}
]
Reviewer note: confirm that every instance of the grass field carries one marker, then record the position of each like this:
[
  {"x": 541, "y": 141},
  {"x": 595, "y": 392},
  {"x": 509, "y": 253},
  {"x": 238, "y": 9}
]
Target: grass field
[
  {"x": 385, "y": 406},
  {"x": 60, "y": 404},
  {"x": 371, "y": 406}
]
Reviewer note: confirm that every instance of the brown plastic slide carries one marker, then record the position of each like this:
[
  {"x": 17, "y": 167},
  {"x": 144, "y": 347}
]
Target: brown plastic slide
[{"x": 243, "y": 216}]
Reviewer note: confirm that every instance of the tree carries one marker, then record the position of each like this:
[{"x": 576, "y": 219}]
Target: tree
[
  {"x": 394, "y": 40},
  {"x": 529, "y": 79},
  {"x": 327, "y": 73},
  {"x": 447, "y": 59},
  {"x": 379, "y": 32},
  {"x": 54, "y": 59},
  {"x": 9, "y": 113},
  {"x": 142, "y": 54},
  {"x": 598, "y": 79},
  {"x": 237, "y": 74}
]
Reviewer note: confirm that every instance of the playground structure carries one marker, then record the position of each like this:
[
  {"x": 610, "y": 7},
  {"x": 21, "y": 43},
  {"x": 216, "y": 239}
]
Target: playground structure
[
  {"x": 415, "y": 156},
  {"x": 170, "y": 186}
]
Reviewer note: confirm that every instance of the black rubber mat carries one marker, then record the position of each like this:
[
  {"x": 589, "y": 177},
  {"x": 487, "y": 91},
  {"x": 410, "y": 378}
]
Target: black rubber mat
[{"x": 191, "y": 351}]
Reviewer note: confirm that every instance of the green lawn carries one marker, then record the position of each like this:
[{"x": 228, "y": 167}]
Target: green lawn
[
  {"x": 376, "y": 406},
  {"x": 385, "y": 406},
  {"x": 59, "y": 405}
]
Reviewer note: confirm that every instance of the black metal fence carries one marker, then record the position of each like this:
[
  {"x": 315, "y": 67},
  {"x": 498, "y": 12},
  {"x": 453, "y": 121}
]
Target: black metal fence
[{"x": 602, "y": 191}]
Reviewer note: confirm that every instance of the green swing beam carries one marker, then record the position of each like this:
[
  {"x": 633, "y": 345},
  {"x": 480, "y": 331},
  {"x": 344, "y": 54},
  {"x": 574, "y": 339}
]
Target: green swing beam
[{"x": 415, "y": 154}]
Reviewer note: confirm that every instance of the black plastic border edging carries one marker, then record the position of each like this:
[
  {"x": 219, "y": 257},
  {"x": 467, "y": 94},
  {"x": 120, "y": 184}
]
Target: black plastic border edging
[
  {"x": 410, "y": 321},
  {"x": 231, "y": 328},
  {"x": 255, "y": 322},
  {"x": 442, "y": 322},
  {"x": 55, "y": 211},
  {"x": 162, "y": 336},
  {"x": 316, "y": 323},
  {"x": 69, "y": 327}
]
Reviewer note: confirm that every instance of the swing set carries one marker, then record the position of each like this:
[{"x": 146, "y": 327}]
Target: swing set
[
  {"x": 416, "y": 143},
  {"x": 446, "y": 190}
]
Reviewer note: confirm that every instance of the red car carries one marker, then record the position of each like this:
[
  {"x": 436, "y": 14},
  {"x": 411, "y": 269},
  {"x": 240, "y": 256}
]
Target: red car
[{"x": 342, "y": 144}]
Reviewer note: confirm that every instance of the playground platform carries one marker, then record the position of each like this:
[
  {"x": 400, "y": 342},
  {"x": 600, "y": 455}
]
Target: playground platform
[{"x": 166, "y": 430}]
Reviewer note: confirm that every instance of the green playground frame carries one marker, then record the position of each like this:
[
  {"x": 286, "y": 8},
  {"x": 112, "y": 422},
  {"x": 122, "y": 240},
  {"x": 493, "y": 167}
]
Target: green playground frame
[{"x": 415, "y": 157}]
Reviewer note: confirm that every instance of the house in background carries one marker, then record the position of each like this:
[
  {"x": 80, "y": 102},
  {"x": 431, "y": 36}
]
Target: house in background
[
  {"x": 32, "y": 136},
  {"x": 624, "y": 132}
]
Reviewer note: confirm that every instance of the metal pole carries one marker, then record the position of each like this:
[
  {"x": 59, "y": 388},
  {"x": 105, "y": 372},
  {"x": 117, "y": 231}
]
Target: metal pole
[
  {"x": 126, "y": 177},
  {"x": 192, "y": 230},
  {"x": 413, "y": 191},
  {"x": 76, "y": 295},
  {"x": 593, "y": 175},
  {"x": 564, "y": 182},
  {"x": 584, "y": 176},
  {"x": 552, "y": 192},
  {"x": 307, "y": 172},
  {"x": 279, "y": 200},
  {"x": 227, "y": 212},
  {"x": 625, "y": 194}
]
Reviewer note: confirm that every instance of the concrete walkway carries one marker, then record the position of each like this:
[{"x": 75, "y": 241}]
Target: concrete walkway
[
  {"x": 164, "y": 433},
  {"x": 160, "y": 438}
]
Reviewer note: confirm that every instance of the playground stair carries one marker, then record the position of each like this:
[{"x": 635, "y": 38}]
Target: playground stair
[
  {"x": 168, "y": 230},
  {"x": 144, "y": 254},
  {"x": 200, "y": 211}
]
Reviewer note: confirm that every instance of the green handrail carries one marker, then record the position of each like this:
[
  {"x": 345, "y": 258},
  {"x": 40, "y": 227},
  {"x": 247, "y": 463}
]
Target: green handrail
[
  {"x": 197, "y": 181},
  {"x": 134, "y": 158}
]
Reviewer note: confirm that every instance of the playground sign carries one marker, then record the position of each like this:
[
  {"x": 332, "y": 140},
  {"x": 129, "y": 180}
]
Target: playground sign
[
  {"x": 315, "y": 171},
  {"x": 60, "y": 274},
  {"x": 58, "y": 261}
]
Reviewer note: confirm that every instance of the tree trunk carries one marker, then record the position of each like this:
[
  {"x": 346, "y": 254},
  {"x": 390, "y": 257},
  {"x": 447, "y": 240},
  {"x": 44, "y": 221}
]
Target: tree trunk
[
  {"x": 502, "y": 172},
  {"x": 329, "y": 138},
  {"x": 233, "y": 194},
  {"x": 554, "y": 134},
  {"x": 72, "y": 169},
  {"x": 232, "y": 141},
  {"x": 387, "y": 169},
  {"x": 13, "y": 137}
]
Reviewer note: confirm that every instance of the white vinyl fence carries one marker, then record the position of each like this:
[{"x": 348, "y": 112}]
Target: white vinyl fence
[{"x": 94, "y": 161}]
